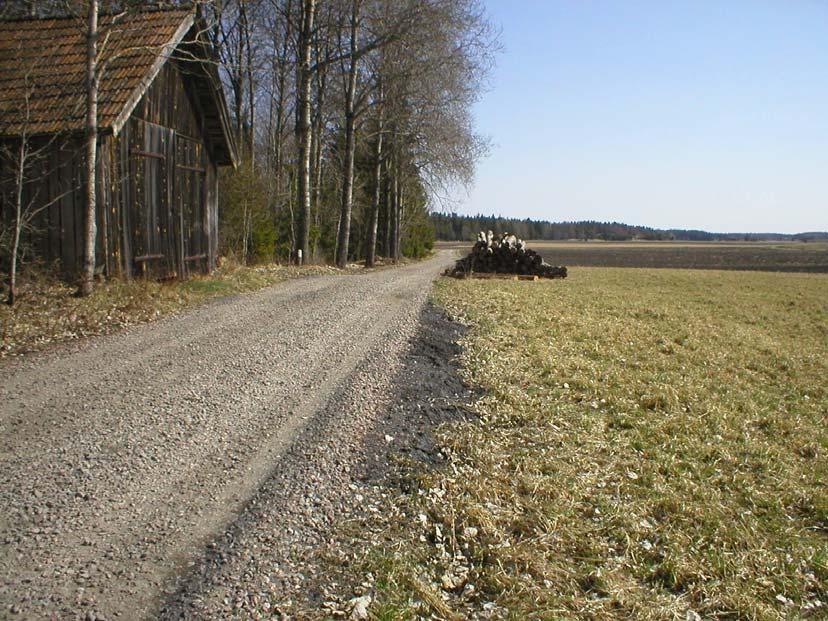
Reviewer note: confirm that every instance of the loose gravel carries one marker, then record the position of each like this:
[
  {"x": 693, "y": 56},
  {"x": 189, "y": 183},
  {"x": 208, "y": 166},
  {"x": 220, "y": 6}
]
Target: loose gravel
[{"x": 191, "y": 467}]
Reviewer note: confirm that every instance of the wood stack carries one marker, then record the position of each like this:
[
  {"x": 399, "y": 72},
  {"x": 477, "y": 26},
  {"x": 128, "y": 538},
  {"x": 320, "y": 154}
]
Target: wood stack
[{"x": 505, "y": 254}]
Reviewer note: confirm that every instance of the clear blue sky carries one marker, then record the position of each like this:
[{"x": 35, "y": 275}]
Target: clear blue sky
[{"x": 708, "y": 114}]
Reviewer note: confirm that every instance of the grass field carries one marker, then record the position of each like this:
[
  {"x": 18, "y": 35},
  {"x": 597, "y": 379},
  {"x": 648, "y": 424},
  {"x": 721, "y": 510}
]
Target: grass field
[
  {"x": 767, "y": 256},
  {"x": 651, "y": 445}
]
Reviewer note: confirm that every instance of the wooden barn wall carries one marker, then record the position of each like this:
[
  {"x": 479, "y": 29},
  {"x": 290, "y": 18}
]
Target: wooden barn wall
[
  {"x": 168, "y": 163},
  {"x": 212, "y": 184},
  {"x": 54, "y": 188},
  {"x": 157, "y": 192}
]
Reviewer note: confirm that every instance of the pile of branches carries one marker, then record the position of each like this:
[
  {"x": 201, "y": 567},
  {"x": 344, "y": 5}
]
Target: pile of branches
[{"x": 505, "y": 254}]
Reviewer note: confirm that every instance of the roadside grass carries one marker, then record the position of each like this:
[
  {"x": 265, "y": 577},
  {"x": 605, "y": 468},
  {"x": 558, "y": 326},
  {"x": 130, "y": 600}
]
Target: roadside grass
[
  {"x": 47, "y": 311},
  {"x": 651, "y": 445}
]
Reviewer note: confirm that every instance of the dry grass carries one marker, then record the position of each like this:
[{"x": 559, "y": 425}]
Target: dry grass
[
  {"x": 652, "y": 445},
  {"x": 48, "y": 313}
]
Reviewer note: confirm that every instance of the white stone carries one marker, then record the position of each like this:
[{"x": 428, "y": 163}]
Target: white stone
[{"x": 359, "y": 607}]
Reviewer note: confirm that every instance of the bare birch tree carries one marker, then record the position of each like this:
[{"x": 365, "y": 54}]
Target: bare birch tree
[
  {"x": 92, "y": 81},
  {"x": 373, "y": 220},
  {"x": 303, "y": 121}
]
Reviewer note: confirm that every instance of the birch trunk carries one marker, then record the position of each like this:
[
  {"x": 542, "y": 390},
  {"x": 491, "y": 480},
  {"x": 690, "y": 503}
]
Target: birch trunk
[
  {"x": 280, "y": 75},
  {"x": 386, "y": 222},
  {"x": 88, "y": 277},
  {"x": 399, "y": 220},
  {"x": 371, "y": 253},
  {"x": 395, "y": 224},
  {"x": 251, "y": 91},
  {"x": 277, "y": 157},
  {"x": 18, "y": 220},
  {"x": 344, "y": 237},
  {"x": 316, "y": 184},
  {"x": 303, "y": 124},
  {"x": 237, "y": 84},
  {"x": 316, "y": 152}
]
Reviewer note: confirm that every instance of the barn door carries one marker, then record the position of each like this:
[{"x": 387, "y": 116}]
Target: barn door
[
  {"x": 155, "y": 249},
  {"x": 190, "y": 171}
]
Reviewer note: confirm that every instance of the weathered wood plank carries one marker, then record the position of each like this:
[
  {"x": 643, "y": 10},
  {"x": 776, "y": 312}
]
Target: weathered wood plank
[
  {"x": 52, "y": 219},
  {"x": 67, "y": 211}
]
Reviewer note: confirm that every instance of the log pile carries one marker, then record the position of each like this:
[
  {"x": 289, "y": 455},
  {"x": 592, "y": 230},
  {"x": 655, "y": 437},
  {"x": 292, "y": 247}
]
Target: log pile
[{"x": 504, "y": 254}]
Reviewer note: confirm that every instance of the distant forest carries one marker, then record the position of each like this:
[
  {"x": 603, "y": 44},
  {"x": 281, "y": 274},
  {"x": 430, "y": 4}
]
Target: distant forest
[{"x": 454, "y": 227}]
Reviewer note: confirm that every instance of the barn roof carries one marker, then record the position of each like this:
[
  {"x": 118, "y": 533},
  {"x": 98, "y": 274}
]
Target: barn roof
[{"x": 43, "y": 72}]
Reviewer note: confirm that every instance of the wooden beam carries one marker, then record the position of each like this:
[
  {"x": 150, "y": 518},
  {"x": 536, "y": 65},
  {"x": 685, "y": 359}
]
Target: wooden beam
[
  {"x": 155, "y": 154},
  {"x": 149, "y": 257}
]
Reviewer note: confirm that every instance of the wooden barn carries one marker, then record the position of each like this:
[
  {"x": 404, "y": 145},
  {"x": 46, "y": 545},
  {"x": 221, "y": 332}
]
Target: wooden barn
[{"x": 164, "y": 131}]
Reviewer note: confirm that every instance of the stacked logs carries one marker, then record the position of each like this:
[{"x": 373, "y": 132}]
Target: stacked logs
[{"x": 505, "y": 254}]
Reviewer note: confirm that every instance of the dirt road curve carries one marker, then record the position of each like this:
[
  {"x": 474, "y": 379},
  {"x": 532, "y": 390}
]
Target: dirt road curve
[{"x": 124, "y": 459}]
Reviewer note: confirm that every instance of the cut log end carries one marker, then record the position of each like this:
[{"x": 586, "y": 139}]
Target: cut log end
[{"x": 505, "y": 254}]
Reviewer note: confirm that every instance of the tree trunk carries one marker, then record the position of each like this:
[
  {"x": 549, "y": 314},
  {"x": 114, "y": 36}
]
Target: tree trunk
[
  {"x": 371, "y": 253},
  {"x": 291, "y": 193},
  {"x": 316, "y": 183},
  {"x": 303, "y": 124},
  {"x": 322, "y": 52},
  {"x": 386, "y": 213},
  {"x": 18, "y": 220},
  {"x": 278, "y": 149},
  {"x": 245, "y": 232},
  {"x": 280, "y": 79},
  {"x": 237, "y": 84},
  {"x": 251, "y": 92},
  {"x": 395, "y": 224},
  {"x": 88, "y": 278},
  {"x": 279, "y": 139},
  {"x": 316, "y": 155},
  {"x": 399, "y": 220},
  {"x": 344, "y": 237}
]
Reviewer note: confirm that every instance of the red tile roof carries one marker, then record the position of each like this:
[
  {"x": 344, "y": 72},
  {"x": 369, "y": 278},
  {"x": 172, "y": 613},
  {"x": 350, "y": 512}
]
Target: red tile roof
[{"x": 46, "y": 58}]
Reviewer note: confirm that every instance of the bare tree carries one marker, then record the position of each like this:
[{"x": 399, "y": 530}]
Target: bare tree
[
  {"x": 390, "y": 22},
  {"x": 323, "y": 51},
  {"x": 92, "y": 81},
  {"x": 344, "y": 233},
  {"x": 373, "y": 222},
  {"x": 281, "y": 31},
  {"x": 433, "y": 77},
  {"x": 303, "y": 121},
  {"x": 429, "y": 57},
  {"x": 22, "y": 156}
]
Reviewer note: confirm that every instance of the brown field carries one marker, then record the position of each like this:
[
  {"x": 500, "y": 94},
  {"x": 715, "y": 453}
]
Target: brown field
[{"x": 763, "y": 256}]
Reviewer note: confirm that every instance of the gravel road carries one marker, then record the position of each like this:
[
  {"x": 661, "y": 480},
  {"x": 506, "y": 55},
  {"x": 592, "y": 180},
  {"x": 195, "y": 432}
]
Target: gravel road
[{"x": 184, "y": 468}]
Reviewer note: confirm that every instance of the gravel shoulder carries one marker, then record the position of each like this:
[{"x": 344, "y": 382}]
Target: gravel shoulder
[{"x": 184, "y": 468}]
